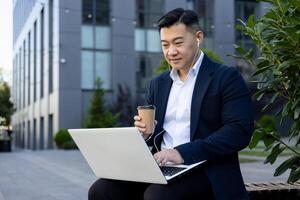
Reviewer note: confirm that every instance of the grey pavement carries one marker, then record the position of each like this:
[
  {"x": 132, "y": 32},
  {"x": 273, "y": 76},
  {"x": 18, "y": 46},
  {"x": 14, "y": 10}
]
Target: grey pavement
[
  {"x": 65, "y": 175},
  {"x": 44, "y": 175}
]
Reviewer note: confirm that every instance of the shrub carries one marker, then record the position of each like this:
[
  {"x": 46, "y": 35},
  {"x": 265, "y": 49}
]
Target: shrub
[
  {"x": 99, "y": 116},
  {"x": 63, "y": 139},
  {"x": 69, "y": 145},
  {"x": 268, "y": 123},
  {"x": 277, "y": 37}
]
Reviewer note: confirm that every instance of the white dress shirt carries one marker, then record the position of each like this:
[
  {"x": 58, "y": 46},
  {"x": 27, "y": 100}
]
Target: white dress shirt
[{"x": 178, "y": 114}]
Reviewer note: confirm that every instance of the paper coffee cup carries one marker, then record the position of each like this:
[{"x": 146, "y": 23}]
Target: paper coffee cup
[{"x": 147, "y": 114}]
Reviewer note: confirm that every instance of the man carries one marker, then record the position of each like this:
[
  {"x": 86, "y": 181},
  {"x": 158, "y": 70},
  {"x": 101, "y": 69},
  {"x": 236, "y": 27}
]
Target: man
[{"x": 206, "y": 112}]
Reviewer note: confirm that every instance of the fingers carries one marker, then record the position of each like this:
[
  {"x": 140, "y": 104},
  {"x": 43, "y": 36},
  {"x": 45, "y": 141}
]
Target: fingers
[
  {"x": 167, "y": 156},
  {"x": 160, "y": 158},
  {"x": 163, "y": 162},
  {"x": 137, "y": 118},
  {"x": 141, "y": 126}
]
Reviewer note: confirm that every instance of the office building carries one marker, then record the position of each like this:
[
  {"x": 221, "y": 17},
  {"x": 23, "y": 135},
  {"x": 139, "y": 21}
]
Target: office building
[{"x": 62, "y": 46}]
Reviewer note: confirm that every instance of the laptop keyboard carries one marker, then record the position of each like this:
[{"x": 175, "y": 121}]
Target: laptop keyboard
[{"x": 170, "y": 171}]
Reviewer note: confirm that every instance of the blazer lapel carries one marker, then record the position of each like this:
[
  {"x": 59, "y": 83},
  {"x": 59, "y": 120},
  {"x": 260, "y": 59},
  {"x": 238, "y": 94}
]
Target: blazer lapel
[
  {"x": 163, "y": 96},
  {"x": 202, "y": 82}
]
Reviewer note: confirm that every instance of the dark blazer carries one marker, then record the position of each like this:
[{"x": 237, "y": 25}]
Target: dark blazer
[{"x": 221, "y": 124}]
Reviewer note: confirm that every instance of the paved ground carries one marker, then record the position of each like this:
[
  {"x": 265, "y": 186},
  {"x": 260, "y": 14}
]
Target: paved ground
[
  {"x": 44, "y": 175},
  {"x": 64, "y": 175}
]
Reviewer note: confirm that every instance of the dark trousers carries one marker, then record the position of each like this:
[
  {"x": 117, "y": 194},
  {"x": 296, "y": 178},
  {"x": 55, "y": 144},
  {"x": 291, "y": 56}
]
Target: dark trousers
[{"x": 194, "y": 185}]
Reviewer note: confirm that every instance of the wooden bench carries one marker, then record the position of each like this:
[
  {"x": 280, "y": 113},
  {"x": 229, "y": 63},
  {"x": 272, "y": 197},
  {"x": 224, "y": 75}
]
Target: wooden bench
[{"x": 273, "y": 191}]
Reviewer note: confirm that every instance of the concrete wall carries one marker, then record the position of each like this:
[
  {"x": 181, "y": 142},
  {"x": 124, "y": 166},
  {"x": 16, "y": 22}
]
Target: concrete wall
[{"x": 69, "y": 72}]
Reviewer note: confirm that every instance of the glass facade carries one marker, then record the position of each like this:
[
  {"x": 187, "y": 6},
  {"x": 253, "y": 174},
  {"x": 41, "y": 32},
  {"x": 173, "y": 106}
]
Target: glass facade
[
  {"x": 50, "y": 131},
  {"x": 95, "y": 43},
  {"x": 34, "y": 61},
  {"x": 243, "y": 10},
  {"x": 41, "y": 142},
  {"x": 42, "y": 53},
  {"x": 146, "y": 34},
  {"x": 28, "y": 134},
  {"x": 147, "y": 41},
  {"x": 24, "y": 75},
  {"x": 87, "y": 69},
  {"x": 28, "y": 68},
  {"x": 34, "y": 144},
  {"x": 50, "y": 25},
  {"x": 205, "y": 11}
]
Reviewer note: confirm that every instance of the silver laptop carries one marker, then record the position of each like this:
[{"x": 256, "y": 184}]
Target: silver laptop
[{"x": 122, "y": 154}]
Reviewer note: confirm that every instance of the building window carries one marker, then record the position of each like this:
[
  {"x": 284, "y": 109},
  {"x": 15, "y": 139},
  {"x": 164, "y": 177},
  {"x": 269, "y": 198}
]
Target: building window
[
  {"x": 42, "y": 54},
  {"x": 146, "y": 34},
  {"x": 23, "y": 136},
  {"x": 34, "y": 135},
  {"x": 147, "y": 63},
  {"x": 95, "y": 65},
  {"x": 87, "y": 38},
  {"x": 28, "y": 67},
  {"x": 28, "y": 135},
  {"x": 34, "y": 61},
  {"x": 95, "y": 43},
  {"x": 50, "y": 132},
  {"x": 87, "y": 69},
  {"x": 87, "y": 11},
  {"x": 50, "y": 78},
  {"x": 20, "y": 131},
  {"x": 42, "y": 133},
  {"x": 103, "y": 40},
  {"x": 20, "y": 80},
  {"x": 147, "y": 40},
  {"x": 103, "y": 67},
  {"x": 15, "y": 80},
  {"x": 24, "y": 74},
  {"x": 205, "y": 11}
]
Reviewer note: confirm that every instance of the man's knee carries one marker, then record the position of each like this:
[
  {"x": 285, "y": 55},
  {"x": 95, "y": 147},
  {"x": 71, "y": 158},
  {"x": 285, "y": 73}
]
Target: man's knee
[
  {"x": 159, "y": 192},
  {"x": 96, "y": 191}
]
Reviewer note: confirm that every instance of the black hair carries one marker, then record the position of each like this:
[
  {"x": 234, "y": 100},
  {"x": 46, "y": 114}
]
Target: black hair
[{"x": 179, "y": 15}]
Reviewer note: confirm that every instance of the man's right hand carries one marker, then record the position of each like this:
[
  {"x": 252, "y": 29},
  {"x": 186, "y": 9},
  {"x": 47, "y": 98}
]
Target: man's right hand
[{"x": 141, "y": 126}]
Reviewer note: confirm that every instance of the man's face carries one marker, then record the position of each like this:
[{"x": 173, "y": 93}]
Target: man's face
[{"x": 180, "y": 45}]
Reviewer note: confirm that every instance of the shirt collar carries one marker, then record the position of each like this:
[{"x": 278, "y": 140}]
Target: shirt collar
[{"x": 194, "y": 70}]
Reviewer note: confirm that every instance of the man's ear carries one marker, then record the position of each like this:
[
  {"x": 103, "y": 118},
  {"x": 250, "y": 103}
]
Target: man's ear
[{"x": 199, "y": 35}]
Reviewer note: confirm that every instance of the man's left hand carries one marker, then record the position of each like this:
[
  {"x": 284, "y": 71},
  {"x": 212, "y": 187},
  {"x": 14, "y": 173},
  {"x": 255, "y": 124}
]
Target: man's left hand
[{"x": 168, "y": 156}]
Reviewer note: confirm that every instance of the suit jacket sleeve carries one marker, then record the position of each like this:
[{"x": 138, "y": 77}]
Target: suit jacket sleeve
[
  {"x": 237, "y": 123},
  {"x": 150, "y": 101}
]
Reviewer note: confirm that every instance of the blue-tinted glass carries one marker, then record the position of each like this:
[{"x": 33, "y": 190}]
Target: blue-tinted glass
[
  {"x": 140, "y": 39},
  {"x": 87, "y": 11},
  {"x": 87, "y": 36},
  {"x": 87, "y": 71},
  {"x": 103, "y": 37},
  {"x": 103, "y": 68},
  {"x": 153, "y": 41}
]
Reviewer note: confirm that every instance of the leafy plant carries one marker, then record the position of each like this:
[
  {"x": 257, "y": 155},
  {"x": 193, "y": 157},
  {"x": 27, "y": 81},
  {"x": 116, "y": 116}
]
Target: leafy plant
[
  {"x": 63, "y": 139},
  {"x": 99, "y": 116},
  {"x": 69, "y": 145},
  {"x": 6, "y": 106},
  {"x": 165, "y": 66},
  {"x": 277, "y": 37}
]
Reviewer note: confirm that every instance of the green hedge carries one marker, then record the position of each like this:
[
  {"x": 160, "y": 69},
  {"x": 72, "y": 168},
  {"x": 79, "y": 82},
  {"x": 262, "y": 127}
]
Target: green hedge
[{"x": 64, "y": 140}]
